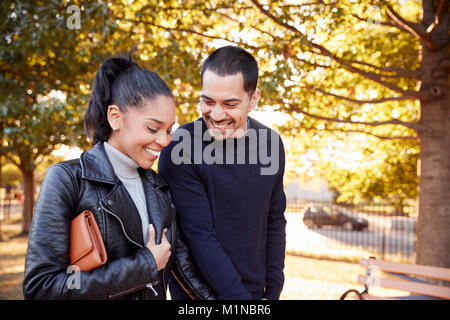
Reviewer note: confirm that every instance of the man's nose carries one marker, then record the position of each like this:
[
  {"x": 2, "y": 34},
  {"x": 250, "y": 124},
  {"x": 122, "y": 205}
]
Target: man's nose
[{"x": 217, "y": 113}]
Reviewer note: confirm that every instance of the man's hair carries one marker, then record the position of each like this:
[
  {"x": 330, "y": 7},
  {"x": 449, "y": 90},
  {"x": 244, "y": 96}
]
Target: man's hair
[{"x": 230, "y": 60}]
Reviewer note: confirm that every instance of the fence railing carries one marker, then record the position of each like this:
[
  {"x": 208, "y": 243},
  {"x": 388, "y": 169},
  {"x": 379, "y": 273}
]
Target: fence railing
[
  {"x": 388, "y": 235},
  {"x": 11, "y": 203},
  {"x": 351, "y": 232}
]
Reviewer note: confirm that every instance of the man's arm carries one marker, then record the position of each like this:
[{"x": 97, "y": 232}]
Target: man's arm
[
  {"x": 276, "y": 235},
  {"x": 195, "y": 219}
]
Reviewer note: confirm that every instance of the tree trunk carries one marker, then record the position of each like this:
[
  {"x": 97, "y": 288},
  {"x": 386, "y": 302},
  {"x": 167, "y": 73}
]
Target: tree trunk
[
  {"x": 28, "y": 204},
  {"x": 433, "y": 225},
  {"x": 1, "y": 167}
]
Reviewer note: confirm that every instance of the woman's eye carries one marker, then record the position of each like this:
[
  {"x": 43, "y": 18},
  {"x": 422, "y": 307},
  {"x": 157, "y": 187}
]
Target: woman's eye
[{"x": 152, "y": 130}]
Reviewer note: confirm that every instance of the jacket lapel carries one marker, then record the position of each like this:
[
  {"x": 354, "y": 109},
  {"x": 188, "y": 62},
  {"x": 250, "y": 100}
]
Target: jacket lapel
[
  {"x": 120, "y": 204},
  {"x": 159, "y": 207},
  {"x": 96, "y": 167}
]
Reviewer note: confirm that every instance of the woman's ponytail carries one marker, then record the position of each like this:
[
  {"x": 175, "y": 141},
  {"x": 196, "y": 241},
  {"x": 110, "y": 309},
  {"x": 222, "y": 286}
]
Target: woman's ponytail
[
  {"x": 121, "y": 82},
  {"x": 95, "y": 119}
]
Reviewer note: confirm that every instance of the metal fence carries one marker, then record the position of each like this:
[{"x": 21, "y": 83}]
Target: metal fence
[
  {"x": 388, "y": 236},
  {"x": 340, "y": 232},
  {"x": 11, "y": 203}
]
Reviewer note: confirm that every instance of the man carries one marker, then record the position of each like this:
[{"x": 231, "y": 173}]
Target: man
[{"x": 230, "y": 203}]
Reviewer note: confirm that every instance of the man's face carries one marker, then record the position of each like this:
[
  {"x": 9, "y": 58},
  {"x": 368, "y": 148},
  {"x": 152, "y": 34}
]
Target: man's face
[{"x": 225, "y": 104}]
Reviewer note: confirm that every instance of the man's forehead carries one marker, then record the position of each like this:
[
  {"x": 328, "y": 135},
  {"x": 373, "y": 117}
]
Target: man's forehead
[{"x": 222, "y": 87}]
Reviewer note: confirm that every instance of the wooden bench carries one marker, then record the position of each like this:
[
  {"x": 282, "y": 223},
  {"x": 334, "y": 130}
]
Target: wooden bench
[{"x": 409, "y": 273}]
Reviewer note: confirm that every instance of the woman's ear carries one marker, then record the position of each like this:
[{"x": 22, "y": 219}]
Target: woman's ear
[
  {"x": 254, "y": 99},
  {"x": 114, "y": 117}
]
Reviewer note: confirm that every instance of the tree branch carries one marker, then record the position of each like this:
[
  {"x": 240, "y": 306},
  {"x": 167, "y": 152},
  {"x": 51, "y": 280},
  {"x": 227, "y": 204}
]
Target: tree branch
[
  {"x": 383, "y": 23},
  {"x": 14, "y": 162},
  {"x": 413, "y": 28},
  {"x": 189, "y": 31},
  {"x": 357, "y": 101},
  {"x": 363, "y": 132},
  {"x": 442, "y": 7},
  {"x": 398, "y": 72},
  {"x": 323, "y": 51},
  {"x": 416, "y": 29},
  {"x": 410, "y": 125}
]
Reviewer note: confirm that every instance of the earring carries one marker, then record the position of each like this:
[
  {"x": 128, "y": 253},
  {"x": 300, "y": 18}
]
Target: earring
[{"x": 114, "y": 128}]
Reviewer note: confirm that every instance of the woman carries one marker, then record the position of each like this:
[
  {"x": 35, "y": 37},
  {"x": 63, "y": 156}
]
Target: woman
[{"x": 129, "y": 118}]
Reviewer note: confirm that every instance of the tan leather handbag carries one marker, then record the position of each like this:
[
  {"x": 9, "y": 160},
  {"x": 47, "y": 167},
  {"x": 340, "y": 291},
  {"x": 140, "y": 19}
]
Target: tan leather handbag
[{"x": 87, "y": 250}]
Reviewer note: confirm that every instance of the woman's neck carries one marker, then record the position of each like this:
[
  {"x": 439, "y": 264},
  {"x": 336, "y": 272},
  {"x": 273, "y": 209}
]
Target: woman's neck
[{"x": 123, "y": 165}]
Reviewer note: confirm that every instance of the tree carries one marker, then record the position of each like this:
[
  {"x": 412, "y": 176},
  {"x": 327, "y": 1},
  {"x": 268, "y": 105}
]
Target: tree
[
  {"x": 350, "y": 66},
  {"x": 47, "y": 65}
]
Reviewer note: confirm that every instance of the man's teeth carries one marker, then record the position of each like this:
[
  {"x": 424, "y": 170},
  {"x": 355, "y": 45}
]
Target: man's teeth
[
  {"x": 153, "y": 152},
  {"x": 220, "y": 126}
]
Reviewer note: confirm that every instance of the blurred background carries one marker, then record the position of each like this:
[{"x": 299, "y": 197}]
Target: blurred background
[{"x": 357, "y": 89}]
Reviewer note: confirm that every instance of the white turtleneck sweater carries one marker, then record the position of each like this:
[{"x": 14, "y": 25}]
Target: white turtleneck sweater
[{"x": 126, "y": 170}]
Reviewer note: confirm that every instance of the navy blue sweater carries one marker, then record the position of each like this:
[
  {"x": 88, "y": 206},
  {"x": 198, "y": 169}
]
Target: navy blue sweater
[{"x": 230, "y": 210}]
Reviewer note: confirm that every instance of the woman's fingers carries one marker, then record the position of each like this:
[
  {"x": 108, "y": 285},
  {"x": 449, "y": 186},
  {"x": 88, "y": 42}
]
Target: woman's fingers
[
  {"x": 161, "y": 252},
  {"x": 164, "y": 238},
  {"x": 151, "y": 235}
]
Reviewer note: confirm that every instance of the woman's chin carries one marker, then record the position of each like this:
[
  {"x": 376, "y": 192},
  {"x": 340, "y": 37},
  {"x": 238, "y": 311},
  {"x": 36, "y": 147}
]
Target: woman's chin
[{"x": 148, "y": 164}]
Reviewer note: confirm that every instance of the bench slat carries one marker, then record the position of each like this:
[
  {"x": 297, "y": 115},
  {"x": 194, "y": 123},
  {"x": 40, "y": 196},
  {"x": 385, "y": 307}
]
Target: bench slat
[
  {"x": 411, "y": 269},
  {"x": 413, "y": 287},
  {"x": 367, "y": 296}
]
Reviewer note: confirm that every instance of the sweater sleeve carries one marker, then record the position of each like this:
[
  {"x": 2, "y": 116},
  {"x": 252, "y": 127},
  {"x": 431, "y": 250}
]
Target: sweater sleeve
[
  {"x": 276, "y": 235},
  {"x": 196, "y": 223}
]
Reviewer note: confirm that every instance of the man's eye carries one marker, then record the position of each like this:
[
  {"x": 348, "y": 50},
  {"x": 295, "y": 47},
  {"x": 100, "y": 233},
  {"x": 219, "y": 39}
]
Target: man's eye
[
  {"x": 152, "y": 130},
  {"x": 230, "y": 105}
]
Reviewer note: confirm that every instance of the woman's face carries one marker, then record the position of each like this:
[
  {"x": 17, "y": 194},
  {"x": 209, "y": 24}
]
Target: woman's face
[{"x": 141, "y": 133}]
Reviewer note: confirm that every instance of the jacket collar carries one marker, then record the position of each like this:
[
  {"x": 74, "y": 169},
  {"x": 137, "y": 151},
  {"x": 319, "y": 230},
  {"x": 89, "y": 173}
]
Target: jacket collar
[{"x": 95, "y": 166}]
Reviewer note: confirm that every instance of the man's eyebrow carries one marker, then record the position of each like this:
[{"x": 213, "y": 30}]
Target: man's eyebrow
[
  {"x": 206, "y": 97},
  {"x": 232, "y": 100},
  {"x": 226, "y": 100}
]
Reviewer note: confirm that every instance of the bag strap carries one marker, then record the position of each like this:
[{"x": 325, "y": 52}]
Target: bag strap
[{"x": 346, "y": 293}]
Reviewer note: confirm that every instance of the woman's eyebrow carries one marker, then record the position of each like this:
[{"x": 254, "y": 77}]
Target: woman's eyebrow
[{"x": 156, "y": 120}]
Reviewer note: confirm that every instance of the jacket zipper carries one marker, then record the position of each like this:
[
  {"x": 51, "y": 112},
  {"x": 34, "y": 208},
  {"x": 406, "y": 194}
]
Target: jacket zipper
[{"x": 148, "y": 285}]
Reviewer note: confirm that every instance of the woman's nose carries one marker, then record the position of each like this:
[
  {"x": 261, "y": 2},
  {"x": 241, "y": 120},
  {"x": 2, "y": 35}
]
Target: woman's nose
[{"x": 163, "y": 139}]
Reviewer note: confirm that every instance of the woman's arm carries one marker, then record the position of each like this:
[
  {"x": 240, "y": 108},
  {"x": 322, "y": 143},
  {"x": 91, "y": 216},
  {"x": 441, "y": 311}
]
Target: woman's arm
[
  {"x": 186, "y": 273},
  {"x": 47, "y": 258}
]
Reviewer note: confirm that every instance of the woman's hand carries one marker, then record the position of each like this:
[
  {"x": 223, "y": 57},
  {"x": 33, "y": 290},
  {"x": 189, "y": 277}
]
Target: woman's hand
[{"x": 160, "y": 252}]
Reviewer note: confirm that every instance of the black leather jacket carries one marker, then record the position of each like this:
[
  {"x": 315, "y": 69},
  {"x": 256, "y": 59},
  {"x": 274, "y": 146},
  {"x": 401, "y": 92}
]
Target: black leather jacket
[{"x": 130, "y": 273}]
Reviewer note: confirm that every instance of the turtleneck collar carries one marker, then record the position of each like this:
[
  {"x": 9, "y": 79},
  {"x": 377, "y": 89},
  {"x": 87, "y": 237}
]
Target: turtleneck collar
[{"x": 123, "y": 165}]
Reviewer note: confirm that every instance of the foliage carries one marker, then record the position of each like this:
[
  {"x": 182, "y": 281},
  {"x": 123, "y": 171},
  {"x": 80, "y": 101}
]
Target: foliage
[{"x": 341, "y": 69}]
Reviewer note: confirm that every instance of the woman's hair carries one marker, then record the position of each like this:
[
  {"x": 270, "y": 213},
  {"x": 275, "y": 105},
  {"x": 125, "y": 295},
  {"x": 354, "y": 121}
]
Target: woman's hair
[{"x": 121, "y": 82}]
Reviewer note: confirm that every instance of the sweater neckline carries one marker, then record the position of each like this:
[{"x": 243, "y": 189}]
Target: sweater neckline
[{"x": 123, "y": 165}]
